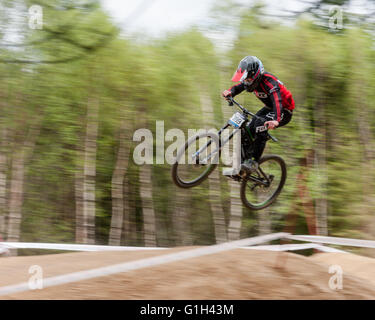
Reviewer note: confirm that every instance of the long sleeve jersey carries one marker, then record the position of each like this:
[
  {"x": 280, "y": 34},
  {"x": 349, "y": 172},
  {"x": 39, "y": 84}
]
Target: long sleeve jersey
[{"x": 272, "y": 92}]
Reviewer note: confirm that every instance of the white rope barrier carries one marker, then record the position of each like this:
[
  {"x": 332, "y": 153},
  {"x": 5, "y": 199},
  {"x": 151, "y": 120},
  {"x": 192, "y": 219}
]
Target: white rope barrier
[
  {"x": 294, "y": 247},
  {"x": 334, "y": 240},
  {"x": 313, "y": 243},
  {"x": 72, "y": 247},
  {"x": 142, "y": 263}
]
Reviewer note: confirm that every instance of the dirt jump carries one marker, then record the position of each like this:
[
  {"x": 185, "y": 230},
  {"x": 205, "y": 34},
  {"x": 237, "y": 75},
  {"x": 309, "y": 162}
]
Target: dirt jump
[{"x": 234, "y": 274}]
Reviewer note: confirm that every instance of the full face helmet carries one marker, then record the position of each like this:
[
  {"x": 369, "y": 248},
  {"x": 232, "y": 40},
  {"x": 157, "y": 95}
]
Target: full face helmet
[{"x": 249, "y": 71}]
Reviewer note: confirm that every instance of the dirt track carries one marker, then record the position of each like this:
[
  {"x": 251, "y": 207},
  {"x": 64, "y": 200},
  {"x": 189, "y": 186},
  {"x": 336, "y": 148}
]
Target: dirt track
[{"x": 236, "y": 274}]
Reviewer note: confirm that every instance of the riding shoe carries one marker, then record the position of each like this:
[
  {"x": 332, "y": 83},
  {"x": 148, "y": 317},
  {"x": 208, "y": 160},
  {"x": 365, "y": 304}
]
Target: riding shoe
[{"x": 249, "y": 166}]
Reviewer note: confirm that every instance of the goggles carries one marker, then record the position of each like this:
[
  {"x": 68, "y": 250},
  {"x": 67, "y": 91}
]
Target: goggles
[{"x": 249, "y": 80}]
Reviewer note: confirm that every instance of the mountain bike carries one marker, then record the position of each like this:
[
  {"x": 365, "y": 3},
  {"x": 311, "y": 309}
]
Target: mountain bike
[{"x": 259, "y": 188}]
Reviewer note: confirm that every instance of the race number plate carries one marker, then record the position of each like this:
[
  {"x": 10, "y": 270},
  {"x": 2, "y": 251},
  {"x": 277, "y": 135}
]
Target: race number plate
[{"x": 237, "y": 120}]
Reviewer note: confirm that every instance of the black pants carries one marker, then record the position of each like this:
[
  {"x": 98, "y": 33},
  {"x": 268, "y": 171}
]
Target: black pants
[{"x": 259, "y": 131}]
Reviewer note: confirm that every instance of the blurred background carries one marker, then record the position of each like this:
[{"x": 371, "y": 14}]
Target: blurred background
[{"x": 79, "y": 77}]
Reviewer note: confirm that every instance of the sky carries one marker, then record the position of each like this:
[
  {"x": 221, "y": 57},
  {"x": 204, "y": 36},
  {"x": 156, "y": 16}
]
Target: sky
[{"x": 155, "y": 17}]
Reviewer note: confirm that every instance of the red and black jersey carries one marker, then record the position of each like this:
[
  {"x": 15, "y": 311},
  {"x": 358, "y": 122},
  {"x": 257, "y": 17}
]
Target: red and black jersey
[{"x": 272, "y": 92}]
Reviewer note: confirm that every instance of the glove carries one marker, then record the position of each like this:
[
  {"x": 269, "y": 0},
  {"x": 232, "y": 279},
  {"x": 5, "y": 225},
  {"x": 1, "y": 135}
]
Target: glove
[
  {"x": 271, "y": 124},
  {"x": 226, "y": 94}
]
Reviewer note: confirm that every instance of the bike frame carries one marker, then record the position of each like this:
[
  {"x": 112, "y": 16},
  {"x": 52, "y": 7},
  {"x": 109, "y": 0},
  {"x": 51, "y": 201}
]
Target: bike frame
[{"x": 245, "y": 113}]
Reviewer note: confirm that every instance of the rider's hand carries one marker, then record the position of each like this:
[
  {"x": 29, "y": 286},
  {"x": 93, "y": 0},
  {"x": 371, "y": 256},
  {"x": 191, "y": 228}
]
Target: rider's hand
[
  {"x": 226, "y": 94},
  {"x": 271, "y": 124}
]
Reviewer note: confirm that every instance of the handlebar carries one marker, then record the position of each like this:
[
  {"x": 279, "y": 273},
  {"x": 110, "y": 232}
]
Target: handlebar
[
  {"x": 244, "y": 110},
  {"x": 231, "y": 101}
]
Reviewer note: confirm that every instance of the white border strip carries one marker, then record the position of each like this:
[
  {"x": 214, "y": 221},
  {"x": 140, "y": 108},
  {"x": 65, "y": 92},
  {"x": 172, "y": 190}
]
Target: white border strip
[
  {"x": 143, "y": 263},
  {"x": 72, "y": 247},
  {"x": 293, "y": 247},
  {"x": 335, "y": 240}
]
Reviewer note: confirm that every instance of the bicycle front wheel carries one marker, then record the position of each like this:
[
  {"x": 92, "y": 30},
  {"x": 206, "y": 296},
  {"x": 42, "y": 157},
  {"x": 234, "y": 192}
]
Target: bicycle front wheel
[
  {"x": 196, "y": 160},
  {"x": 261, "y": 188}
]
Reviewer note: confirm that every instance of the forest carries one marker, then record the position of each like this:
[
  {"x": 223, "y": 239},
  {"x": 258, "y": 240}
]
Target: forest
[{"x": 73, "y": 93}]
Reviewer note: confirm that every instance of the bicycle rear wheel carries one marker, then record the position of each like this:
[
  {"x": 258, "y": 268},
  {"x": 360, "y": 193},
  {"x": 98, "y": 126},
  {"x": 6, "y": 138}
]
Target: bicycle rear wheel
[
  {"x": 192, "y": 167},
  {"x": 261, "y": 188}
]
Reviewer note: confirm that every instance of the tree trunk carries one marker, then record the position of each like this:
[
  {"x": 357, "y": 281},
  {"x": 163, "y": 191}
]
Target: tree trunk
[
  {"x": 302, "y": 198},
  {"x": 149, "y": 222},
  {"x": 130, "y": 219},
  {"x": 321, "y": 203},
  {"x": 3, "y": 179},
  {"x": 81, "y": 229},
  {"x": 181, "y": 216},
  {"x": 118, "y": 189},
  {"x": 320, "y": 147},
  {"x": 17, "y": 184},
  {"x": 312, "y": 220},
  {"x": 16, "y": 196},
  {"x": 235, "y": 220},
  {"x": 264, "y": 221},
  {"x": 129, "y": 234},
  {"x": 367, "y": 170},
  {"x": 89, "y": 169},
  {"x": 367, "y": 165},
  {"x": 214, "y": 178}
]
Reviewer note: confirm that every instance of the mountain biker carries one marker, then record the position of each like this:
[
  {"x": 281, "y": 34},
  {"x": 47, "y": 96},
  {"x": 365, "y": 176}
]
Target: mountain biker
[{"x": 277, "y": 99}]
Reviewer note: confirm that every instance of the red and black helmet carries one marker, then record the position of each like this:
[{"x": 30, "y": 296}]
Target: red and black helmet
[{"x": 249, "y": 71}]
